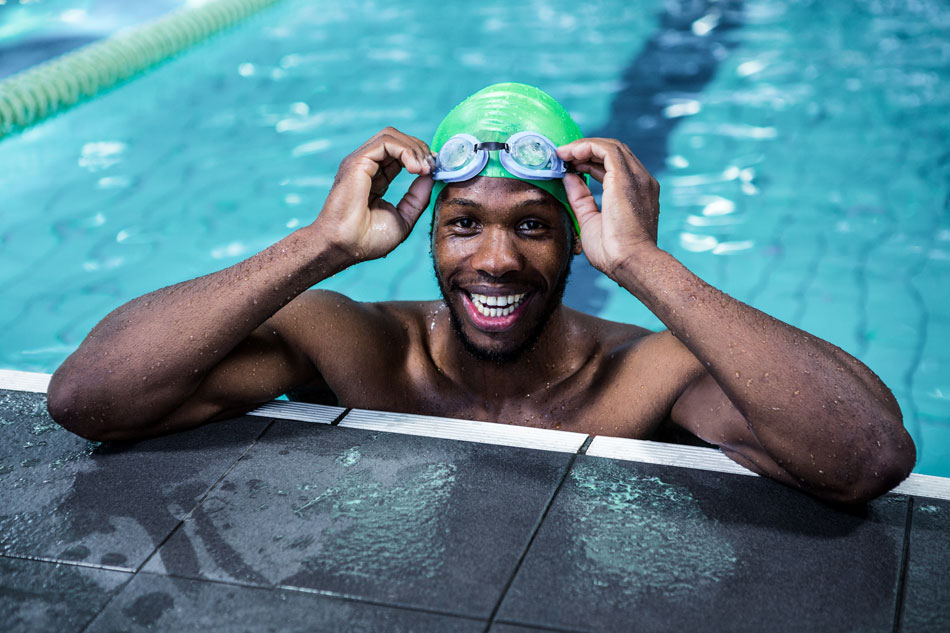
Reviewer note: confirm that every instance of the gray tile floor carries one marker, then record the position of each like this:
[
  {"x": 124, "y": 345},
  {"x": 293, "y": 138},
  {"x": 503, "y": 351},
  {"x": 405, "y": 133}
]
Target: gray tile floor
[{"x": 258, "y": 524}]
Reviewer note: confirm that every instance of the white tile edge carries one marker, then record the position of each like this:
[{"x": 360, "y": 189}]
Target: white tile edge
[
  {"x": 15, "y": 380},
  {"x": 298, "y": 411},
  {"x": 645, "y": 451},
  {"x": 712, "y": 459},
  {"x": 925, "y": 486},
  {"x": 665, "y": 454},
  {"x": 465, "y": 430}
]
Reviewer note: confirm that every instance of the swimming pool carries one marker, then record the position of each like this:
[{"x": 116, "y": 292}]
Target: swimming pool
[{"x": 801, "y": 149}]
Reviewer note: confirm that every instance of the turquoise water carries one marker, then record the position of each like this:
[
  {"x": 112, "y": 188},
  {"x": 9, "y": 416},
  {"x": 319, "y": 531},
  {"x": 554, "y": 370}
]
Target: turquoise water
[{"x": 807, "y": 174}]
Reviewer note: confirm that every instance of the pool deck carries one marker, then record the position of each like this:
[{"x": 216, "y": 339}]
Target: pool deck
[{"x": 302, "y": 517}]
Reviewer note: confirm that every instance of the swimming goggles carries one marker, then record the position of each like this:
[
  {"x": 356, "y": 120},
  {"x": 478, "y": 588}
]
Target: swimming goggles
[{"x": 527, "y": 155}]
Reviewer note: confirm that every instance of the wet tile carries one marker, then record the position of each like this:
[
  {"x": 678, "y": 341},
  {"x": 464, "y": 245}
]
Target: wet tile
[
  {"x": 414, "y": 521},
  {"x": 38, "y": 596},
  {"x": 926, "y": 590},
  {"x": 160, "y": 603},
  {"x": 677, "y": 549},
  {"x": 514, "y": 628},
  {"x": 66, "y": 498}
]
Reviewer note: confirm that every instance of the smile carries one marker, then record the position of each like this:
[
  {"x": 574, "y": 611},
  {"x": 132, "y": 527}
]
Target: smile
[{"x": 496, "y": 306}]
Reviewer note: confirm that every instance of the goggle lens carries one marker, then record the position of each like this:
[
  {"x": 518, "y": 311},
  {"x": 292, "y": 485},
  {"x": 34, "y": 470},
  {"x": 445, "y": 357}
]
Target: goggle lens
[
  {"x": 455, "y": 154},
  {"x": 532, "y": 152}
]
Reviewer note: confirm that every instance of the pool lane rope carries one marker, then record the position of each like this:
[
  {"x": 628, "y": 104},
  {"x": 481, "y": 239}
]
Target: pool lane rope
[{"x": 30, "y": 96}]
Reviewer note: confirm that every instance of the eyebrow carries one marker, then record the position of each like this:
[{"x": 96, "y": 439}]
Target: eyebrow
[{"x": 466, "y": 202}]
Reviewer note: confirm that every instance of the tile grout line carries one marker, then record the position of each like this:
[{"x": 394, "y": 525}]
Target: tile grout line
[
  {"x": 346, "y": 597},
  {"x": 117, "y": 591},
  {"x": 324, "y": 593},
  {"x": 902, "y": 572},
  {"x": 72, "y": 563},
  {"x": 534, "y": 534},
  {"x": 204, "y": 496},
  {"x": 175, "y": 529},
  {"x": 582, "y": 450},
  {"x": 336, "y": 421}
]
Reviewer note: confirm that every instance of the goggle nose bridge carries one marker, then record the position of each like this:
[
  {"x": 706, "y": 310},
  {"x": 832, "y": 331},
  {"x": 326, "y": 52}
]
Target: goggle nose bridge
[{"x": 492, "y": 146}]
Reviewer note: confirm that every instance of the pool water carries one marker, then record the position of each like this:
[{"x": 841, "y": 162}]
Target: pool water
[{"x": 801, "y": 148}]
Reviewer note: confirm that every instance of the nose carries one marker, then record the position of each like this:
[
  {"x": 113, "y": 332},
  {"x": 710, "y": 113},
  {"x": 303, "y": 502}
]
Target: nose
[{"x": 497, "y": 253}]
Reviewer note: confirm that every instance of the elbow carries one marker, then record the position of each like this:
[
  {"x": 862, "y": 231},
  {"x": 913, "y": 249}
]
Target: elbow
[
  {"x": 68, "y": 404},
  {"x": 889, "y": 467}
]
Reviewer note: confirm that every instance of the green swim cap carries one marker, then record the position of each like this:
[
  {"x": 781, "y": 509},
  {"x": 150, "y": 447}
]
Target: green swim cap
[{"x": 494, "y": 113}]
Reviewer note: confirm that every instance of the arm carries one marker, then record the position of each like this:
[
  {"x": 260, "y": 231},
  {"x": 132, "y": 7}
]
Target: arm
[
  {"x": 776, "y": 399},
  {"x": 218, "y": 345}
]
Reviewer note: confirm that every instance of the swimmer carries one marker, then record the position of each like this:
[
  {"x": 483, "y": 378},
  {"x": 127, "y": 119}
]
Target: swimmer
[{"x": 507, "y": 174}]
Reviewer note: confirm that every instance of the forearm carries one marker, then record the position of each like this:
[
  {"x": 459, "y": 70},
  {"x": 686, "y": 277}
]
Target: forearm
[
  {"x": 154, "y": 351},
  {"x": 816, "y": 410}
]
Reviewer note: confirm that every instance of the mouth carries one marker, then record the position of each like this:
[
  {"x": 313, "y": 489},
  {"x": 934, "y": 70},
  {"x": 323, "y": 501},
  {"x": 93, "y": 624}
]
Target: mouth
[{"x": 494, "y": 313}]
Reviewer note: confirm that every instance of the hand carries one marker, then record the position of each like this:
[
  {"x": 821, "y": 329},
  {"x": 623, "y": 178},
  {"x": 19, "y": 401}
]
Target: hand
[
  {"x": 631, "y": 206},
  {"x": 355, "y": 218}
]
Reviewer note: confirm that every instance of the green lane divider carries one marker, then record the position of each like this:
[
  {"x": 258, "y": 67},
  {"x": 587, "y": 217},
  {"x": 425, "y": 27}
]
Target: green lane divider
[{"x": 28, "y": 97}]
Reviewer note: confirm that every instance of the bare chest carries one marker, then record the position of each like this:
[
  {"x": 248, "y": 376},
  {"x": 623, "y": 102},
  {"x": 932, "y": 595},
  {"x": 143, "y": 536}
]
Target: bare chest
[{"x": 580, "y": 405}]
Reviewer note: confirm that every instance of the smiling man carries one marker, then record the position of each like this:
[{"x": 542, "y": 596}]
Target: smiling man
[{"x": 508, "y": 216}]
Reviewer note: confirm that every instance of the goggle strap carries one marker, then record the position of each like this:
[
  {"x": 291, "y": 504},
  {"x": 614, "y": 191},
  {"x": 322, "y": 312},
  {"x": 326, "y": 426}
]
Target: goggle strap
[{"x": 492, "y": 146}]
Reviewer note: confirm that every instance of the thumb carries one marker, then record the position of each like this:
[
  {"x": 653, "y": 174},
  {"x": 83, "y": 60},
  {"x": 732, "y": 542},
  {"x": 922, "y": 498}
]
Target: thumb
[
  {"x": 416, "y": 200},
  {"x": 581, "y": 199}
]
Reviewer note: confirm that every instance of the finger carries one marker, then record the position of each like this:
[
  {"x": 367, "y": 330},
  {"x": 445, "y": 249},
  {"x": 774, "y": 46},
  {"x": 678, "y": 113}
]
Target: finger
[
  {"x": 581, "y": 199},
  {"x": 413, "y": 158},
  {"x": 383, "y": 179},
  {"x": 583, "y": 150},
  {"x": 419, "y": 147},
  {"x": 595, "y": 170},
  {"x": 415, "y": 201},
  {"x": 598, "y": 149}
]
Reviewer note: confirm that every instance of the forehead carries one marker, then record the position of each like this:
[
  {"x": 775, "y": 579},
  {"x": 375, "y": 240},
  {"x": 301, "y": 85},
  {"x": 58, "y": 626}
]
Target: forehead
[{"x": 501, "y": 194}]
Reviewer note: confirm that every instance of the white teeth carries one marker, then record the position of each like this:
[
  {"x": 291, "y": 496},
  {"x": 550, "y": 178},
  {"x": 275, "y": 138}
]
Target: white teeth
[{"x": 506, "y": 304}]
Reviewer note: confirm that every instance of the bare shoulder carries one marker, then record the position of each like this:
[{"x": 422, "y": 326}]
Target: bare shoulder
[
  {"x": 613, "y": 336},
  {"x": 328, "y": 325},
  {"x": 658, "y": 361}
]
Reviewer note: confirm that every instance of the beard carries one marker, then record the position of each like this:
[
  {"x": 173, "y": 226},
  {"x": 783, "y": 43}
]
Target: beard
[{"x": 504, "y": 357}]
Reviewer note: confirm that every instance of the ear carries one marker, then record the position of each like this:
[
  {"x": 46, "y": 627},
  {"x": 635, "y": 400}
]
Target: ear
[{"x": 578, "y": 247}]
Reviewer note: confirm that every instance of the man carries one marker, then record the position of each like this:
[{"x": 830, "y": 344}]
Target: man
[{"x": 499, "y": 346}]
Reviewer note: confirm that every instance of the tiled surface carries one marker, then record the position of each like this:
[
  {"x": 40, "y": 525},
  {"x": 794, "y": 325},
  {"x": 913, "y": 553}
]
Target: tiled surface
[
  {"x": 318, "y": 527},
  {"x": 65, "y": 498},
  {"x": 160, "y": 603},
  {"x": 678, "y": 549},
  {"x": 424, "y": 522},
  {"x": 926, "y": 588},
  {"x": 514, "y": 628},
  {"x": 43, "y": 596}
]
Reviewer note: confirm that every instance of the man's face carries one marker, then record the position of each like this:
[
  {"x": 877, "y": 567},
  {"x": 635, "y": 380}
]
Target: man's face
[{"x": 502, "y": 253}]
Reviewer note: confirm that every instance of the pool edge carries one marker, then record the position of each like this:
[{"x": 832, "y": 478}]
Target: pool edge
[{"x": 643, "y": 451}]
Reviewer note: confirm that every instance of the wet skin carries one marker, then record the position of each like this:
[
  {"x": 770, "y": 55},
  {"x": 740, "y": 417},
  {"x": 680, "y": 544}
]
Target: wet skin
[{"x": 499, "y": 346}]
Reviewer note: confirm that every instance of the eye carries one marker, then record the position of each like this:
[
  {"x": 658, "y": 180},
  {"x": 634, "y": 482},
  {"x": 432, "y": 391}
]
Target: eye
[
  {"x": 531, "y": 226},
  {"x": 464, "y": 223}
]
